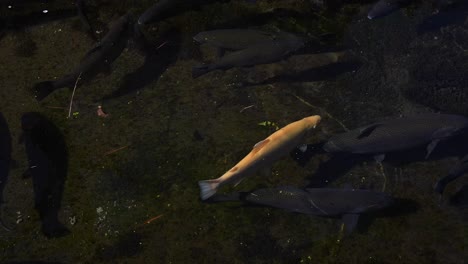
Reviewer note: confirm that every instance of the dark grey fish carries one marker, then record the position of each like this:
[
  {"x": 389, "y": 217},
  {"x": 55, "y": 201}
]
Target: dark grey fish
[
  {"x": 460, "y": 169},
  {"x": 5, "y": 160},
  {"x": 233, "y": 39},
  {"x": 96, "y": 60},
  {"x": 398, "y": 134},
  {"x": 385, "y": 7},
  {"x": 325, "y": 202},
  {"x": 48, "y": 164},
  {"x": 261, "y": 53}
]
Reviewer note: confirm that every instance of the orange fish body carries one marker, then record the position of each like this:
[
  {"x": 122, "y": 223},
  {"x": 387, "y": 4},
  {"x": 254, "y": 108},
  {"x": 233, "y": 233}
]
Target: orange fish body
[{"x": 263, "y": 153}]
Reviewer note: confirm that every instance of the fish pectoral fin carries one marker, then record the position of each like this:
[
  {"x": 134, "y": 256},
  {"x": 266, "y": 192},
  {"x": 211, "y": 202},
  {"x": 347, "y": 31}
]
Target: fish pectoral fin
[
  {"x": 366, "y": 131},
  {"x": 379, "y": 158},
  {"x": 350, "y": 221},
  {"x": 302, "y": 148},
  {"x": 431, "y": 147},
  {"x": 238, "y": 182}
]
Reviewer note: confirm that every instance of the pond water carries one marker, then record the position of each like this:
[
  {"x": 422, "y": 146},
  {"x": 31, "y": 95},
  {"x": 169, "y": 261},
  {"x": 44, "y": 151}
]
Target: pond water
[{"x": 112, "y": 112}]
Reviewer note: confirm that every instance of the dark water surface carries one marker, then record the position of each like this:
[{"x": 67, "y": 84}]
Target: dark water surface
[{"x": 130, "y": 194}]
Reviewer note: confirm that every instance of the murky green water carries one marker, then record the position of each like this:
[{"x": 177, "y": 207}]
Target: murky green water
[{"x": 131, "y": 193}]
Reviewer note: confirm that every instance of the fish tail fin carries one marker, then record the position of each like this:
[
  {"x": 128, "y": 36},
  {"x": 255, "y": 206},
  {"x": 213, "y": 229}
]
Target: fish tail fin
[
  {"x": 198, "y": 71},
  {"x": 43, "y": 89},
  {"x": 208, "y": 188}
]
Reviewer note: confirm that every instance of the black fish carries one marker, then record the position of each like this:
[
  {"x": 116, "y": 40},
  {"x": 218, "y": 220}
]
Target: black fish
[
  {"x": 48, "y": 163},
  {"x": 385, "y": 7},
  {"x": 326, "y": 202},
  {"x": 261, "y": 53},
  {"x": 5, "y": 159},
  {"x": 96, "y": 60},
  {"x": 460, "y": 169},
  {"x": 398, "y": 134}
]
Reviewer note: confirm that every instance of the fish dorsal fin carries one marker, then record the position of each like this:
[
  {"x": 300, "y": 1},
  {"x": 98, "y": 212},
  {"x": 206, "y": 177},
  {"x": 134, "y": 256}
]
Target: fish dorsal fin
[
  {"x": 444, "y": 132},
  {"x": 350, "y": 222},
  {"x": 238, "y": 182},
  {"x": 366, "y": 131},
  {"x": 379, "y": 157},
  {"x": 261, "y": 144},
  {"x": 431, "y": 147}
]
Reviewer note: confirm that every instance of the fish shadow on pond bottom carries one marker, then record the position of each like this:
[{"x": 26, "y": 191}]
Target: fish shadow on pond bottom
[
  {"x": 312, "y": 75},
  {"x": 400, "y": 207},
  {"x": 157, "y": 60},
  {"x": 48, "y": 163}
]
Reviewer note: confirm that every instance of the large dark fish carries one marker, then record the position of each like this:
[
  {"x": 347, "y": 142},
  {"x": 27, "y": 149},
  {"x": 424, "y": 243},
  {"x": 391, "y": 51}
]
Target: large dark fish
[
  {"x": 5, "y": 160},
  {"x": 325, "y": 202},
  {"x": 398, "y": 134},
  {"x": 460, "y": 169},
  {"x": 233, "y": 39},
  {"x": 261, "y": 53},
  {"x": 96, "y": 60},
  {"x": 385, "y": 7},
  {"x": 48, "y": 164}
]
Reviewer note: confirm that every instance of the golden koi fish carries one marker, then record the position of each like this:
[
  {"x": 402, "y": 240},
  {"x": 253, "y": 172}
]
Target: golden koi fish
[{"x": 263, "y": 153}]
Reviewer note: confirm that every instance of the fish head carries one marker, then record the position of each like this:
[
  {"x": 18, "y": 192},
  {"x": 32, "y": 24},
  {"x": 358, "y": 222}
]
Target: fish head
[{"x": 311, "y": 122}]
